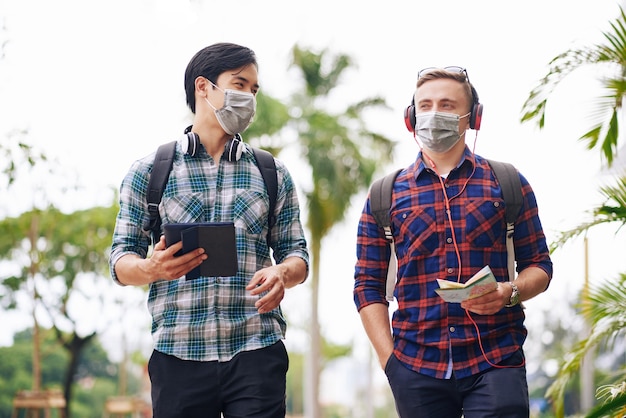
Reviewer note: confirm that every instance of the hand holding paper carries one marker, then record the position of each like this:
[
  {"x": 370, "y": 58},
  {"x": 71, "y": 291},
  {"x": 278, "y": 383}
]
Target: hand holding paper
[{"x": 479, "y": 284}]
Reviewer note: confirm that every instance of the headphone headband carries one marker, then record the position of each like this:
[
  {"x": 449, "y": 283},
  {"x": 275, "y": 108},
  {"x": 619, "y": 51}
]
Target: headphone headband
[{"x": 475, "y": 118}]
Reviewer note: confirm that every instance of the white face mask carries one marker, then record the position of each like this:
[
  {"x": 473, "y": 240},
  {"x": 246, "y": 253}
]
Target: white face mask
[
  {"x": 237, "y": 112},
  {"x": 438, "y": 131}
]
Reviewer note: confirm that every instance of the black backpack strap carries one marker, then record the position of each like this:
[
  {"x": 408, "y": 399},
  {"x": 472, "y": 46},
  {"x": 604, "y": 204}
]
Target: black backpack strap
[
  {"x": 267, "y": 166},
  {"x": 511, "y": 186},
  {"x": 380, "y": 201},
  {"x": 163, "y": 161}
]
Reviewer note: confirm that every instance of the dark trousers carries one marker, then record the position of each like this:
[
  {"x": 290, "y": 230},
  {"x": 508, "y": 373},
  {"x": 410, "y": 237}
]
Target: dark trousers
[
  {"x": 252, "y": 384},
  {"x": 494, "y": 393}
]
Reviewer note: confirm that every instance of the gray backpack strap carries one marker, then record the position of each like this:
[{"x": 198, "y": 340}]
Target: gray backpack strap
[
  {"x": 380, "y": 201},
  {"x": 511, "y": 186},
  {"x": 380, "y": 206}
]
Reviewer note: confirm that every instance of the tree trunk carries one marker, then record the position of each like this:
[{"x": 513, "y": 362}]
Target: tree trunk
[
  {"x": 312, "y": 404},
  {"x": 33, "y": 269},
  {"x": 75, "y": 348}
]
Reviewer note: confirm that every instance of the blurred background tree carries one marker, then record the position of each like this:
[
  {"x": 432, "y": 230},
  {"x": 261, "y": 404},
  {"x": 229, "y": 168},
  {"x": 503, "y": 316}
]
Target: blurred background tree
[
  {"x": 343, "y": 155},
  {"x": 96, "y": 375}
]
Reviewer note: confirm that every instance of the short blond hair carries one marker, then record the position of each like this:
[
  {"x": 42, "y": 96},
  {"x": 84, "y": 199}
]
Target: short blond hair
[{"x": 461, "y": 77}]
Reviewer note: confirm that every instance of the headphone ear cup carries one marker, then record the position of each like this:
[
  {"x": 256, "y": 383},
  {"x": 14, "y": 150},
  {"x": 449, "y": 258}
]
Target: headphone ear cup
[
  {"x": 193, "y": 144},
  {"x": 235, "y": 149},
  {"x": 409, "y": 118},
  {"x": 476, "y": 116}
]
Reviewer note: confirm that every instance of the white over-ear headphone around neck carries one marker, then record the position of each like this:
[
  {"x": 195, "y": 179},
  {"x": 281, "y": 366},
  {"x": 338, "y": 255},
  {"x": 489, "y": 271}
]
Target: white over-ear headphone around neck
[{"x": 191, "y": 145}]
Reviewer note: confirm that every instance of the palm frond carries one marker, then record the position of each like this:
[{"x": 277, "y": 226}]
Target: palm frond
[
  {"x": 566, "y": 236},
  {"x": 612, "y": 53},
  {"x": 607, "y": 312},
  {"x": 607, "y": 302},
  {"x": 616, "y": 50},
  {"x": 559, "y": 68},
  {"x": 617, "y": 194},
  {"x": 614, "y": 407},
  {"x": 605, "y": 213}
]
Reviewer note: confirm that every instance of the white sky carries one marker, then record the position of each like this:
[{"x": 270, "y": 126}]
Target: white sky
[{"x": 100, "y": 84}]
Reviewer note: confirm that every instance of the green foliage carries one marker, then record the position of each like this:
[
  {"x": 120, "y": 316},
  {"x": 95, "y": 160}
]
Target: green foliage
[
  {"x": 613, "y": 211},
  {"x": 295, "y": 388},
  {"x": 271, "y": 117},
  {"x": 96, "y": 380},
  {"x": 54, "y": 251},
  {"x": 607, "y": 311},
  {"x": 613, "y": 407},
  {"x": 321, "y": 73},
  {"x": 16, "y": 153},
  {"x": 59, "y": 244},
  {"x": 606, "y": 303},
  {"x": 610, "y": 58},
  {"x": 341, "y": 152},
  {"x": 91, "y": 396},
  {"x": 331, "y": 351}
]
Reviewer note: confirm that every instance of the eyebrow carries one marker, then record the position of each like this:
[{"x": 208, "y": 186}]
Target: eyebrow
[{"x": 443, "y": 100}]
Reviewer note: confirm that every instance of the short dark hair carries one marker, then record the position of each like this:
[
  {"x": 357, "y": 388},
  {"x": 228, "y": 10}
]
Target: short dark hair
[{"x": 212, "y": 61}]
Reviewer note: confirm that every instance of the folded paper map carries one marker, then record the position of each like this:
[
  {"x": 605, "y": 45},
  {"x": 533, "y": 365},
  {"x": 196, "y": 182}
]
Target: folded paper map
[{"x": 479, "y": 284}]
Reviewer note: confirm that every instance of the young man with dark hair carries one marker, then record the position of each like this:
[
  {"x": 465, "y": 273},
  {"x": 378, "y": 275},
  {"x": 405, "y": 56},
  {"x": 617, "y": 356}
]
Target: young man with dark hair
[{"x": 217, "y": 340}]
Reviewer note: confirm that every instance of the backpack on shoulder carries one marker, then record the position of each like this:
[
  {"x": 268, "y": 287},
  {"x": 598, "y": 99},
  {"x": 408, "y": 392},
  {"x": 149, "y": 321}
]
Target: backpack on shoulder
[
  {"x": 380, "y": 205},
  {"x": 163, "y": 161}
]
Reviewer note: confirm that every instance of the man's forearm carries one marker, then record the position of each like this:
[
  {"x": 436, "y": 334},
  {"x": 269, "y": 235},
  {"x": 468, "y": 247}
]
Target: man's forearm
[{"x": 375, "y": 319}]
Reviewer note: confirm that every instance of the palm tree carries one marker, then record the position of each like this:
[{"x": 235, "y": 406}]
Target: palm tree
[
  {"x": 271, "y": 117},
  {"x": 605, "y": 304},
  {"x": 343, "y": 156}
]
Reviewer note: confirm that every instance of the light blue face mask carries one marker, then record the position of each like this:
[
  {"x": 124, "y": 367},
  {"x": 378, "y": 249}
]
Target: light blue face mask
[
  {"x": 237, "y": 112},
  {"x": 438, "y": 131}
]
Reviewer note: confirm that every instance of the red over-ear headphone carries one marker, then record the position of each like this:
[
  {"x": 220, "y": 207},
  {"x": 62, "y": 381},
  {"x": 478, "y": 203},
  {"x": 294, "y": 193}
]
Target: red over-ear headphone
[{"x": 475, "y": 117}]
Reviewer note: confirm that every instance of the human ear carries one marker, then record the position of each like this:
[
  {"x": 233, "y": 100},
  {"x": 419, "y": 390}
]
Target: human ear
[{"x": 201, "y": 84}]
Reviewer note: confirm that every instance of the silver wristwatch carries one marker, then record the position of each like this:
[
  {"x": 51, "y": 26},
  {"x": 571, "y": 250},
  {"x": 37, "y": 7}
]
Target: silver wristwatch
[{"x": 514, "y": 300}]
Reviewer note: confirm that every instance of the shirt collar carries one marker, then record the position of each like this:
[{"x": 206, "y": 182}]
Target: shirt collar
[{"x": 420, "y": 166}]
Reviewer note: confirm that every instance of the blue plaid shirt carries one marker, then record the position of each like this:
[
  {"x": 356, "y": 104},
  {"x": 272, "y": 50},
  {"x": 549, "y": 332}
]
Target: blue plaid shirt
[
  {"x": 212, "y": 318},
  {"x": 426, "y": 329}
]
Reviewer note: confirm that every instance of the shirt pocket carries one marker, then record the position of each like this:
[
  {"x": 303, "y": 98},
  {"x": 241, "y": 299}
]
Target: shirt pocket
[
  {"x": 417, "y": 231},
  {"x": 250, "y": 211},
  {"x": 184, "y": 208},
  {"x": 484, "y": 222}
]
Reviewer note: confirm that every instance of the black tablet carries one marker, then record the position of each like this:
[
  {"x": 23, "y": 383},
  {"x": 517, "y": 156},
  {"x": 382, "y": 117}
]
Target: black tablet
[{"x": 218, "y": 241}]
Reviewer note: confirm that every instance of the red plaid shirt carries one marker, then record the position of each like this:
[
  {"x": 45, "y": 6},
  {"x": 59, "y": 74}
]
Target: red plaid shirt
[{"x": 425, "y": 328}]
